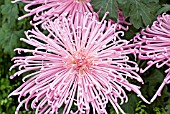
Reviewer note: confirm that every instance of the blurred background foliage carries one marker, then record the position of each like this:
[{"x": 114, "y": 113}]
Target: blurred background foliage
[{"x": 139, "y": 12}]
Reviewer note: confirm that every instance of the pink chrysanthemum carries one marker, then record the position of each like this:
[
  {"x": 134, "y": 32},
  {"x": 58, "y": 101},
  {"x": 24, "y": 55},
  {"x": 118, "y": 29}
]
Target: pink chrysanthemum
[
  {"x": 83, "y": 65},
  {"x": 154, "y": 45},
  {"x": 49, "y": 9}
]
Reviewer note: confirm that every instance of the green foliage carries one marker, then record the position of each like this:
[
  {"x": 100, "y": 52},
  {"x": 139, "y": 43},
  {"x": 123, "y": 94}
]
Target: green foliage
[
  {"x": 151, "y": 75},
  {"x": 10, "y": 39},
  {"x": 159, "y": 110},
  {"x": 106, "y": 6},
  {"x": 9, "y": 13},
  {"x": 11, "y": 30},
  {"x": 129, "y": 107},
  {"x": 167, "y": 108},
  {"x": 163, "y": 9},
  {"x": 141, "y": 12},
  {"x": 7, "y": 105},
  {"x": 153, "y": 79},
  {"x": 140, "y": 108}
]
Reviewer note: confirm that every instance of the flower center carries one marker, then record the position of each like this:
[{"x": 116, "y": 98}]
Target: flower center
[{"x": 81, "y": 61}]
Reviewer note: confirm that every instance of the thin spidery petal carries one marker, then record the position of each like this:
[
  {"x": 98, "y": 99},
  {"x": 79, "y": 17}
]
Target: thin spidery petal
[
  {"x": 153, "y": 44},
  {"x": 80, "y": 62}
]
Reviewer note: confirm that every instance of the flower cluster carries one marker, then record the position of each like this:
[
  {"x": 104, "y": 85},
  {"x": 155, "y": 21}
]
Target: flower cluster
[
  {"x": 80, "y": 61},
  {"x": 153, "y": 44}
]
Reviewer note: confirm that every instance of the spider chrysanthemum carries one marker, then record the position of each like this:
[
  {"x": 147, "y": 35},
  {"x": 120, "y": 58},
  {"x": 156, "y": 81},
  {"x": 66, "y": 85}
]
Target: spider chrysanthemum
[
  {"x": 43, "y": 10},
  {"x": 83, "y": 64},
  {"x": 153, "y": 44}
]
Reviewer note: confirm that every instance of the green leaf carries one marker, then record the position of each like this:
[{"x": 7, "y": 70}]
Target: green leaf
[
  {"x": 163, "y": 9},
  {"x": 130, "y": 33},
  {"x": 107, "y": 6},
  {"x": 141, "y": 12},
  {"x": 1, "y": 2},
  {"x": 9, "y": 13},
  {"x": 154, "y": 79},
  {"x": 168, "y": 109},
  {"x": 10, "y": 39},
  {"x": 159, "y": 110},
  {"x": 11, "y": 30},
  {"x": 156, "y": 1}
]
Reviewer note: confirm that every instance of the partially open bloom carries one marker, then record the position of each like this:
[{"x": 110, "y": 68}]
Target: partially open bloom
[
  {"x": 83, "y": 65},
  {"x": 43, "y": 10},
  {"x": 153, "y": 44}
]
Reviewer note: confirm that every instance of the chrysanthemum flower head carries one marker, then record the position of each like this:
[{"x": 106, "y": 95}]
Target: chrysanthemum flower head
[
  {"x": 43, "y": 10},
  {"x": 154, "y": 45},
  {"x": 84, "y": 65}
]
